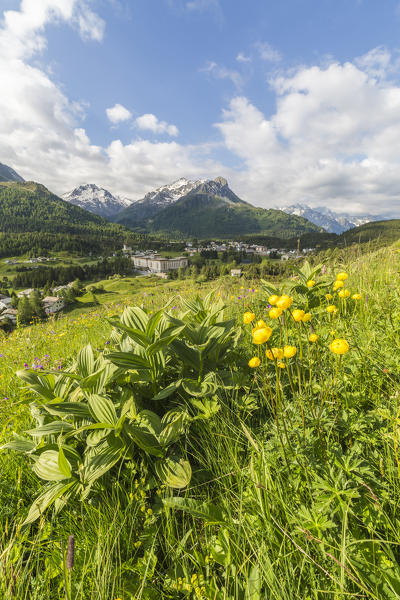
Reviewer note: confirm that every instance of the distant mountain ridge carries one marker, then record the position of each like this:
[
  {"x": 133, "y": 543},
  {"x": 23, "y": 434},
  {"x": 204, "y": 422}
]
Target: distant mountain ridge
[
  {"x": 8, "y": 174},
  {"x": 96, "y": 200},
  {"x": 329, "y": 220},
  {"x": 206, "y": 208}
]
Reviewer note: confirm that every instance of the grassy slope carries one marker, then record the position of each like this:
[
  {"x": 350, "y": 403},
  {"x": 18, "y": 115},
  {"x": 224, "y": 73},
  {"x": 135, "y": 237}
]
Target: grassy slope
[{"x": 294, "y": 522}]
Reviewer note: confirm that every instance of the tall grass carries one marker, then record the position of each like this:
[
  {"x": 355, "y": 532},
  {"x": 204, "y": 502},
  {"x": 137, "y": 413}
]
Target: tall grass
[{"x": 295, "y": 488}]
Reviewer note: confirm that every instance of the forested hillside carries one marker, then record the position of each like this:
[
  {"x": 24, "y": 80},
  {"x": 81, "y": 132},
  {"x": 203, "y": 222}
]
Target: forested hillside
[{"x": 40, "y": 220}]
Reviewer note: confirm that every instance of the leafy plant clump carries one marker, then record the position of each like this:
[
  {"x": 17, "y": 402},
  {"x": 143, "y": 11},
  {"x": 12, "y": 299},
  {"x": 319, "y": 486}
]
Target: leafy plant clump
[{"x": 130, "y": 405}]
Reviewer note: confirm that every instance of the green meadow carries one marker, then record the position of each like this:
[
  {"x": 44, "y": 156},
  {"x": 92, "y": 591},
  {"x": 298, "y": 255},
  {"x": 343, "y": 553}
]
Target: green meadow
[{"x": 223, "y": 440}]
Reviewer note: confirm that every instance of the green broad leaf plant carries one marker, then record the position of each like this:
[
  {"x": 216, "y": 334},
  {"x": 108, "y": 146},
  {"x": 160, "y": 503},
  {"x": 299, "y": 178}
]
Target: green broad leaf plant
[{"x": 132, "y": 402}]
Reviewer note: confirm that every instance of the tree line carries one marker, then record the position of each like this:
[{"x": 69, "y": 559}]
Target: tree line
[{"x": 53, "y": 276}]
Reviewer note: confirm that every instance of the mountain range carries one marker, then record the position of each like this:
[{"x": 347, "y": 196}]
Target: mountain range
[
  {"x": 147, "y": 214},
  {"x": 96, "y": 200},
  {"x": 203, "y": 208},
  {"x": 329, "y": 220},
  {"x": 207, "y": 208}
]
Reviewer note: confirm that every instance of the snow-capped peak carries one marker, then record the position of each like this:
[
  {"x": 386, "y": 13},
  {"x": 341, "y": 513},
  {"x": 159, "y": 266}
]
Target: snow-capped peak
[
  {"x": 96, "y": 199},
  {"x": 331, "y": 221},
  {"x": 172, "y": 192}
]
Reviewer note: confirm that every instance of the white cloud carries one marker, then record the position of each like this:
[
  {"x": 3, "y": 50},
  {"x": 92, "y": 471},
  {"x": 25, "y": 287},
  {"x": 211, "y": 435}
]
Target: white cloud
[
  {"x": 334, "y": 140},
  {"x": 22, "y": 32},
  {"x": 151, "y": 123},
  {"x": 267, "y": 52},
  {"x": 91, "y": 26},
  {"x": 221, "y": 72},
  {"x": 377, "y": 62},
  {"x": 118, "y": 113},
  {"x": 243, "y": 58}
]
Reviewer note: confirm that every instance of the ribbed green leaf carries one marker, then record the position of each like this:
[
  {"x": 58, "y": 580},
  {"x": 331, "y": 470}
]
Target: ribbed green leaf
[
  {"x": 47, "y": 467},
  {"x": 203, "y": 510},
  {"x": 85, "y": 361},
  {"x": 168, "y": 390},
  {"x": 73, "y": 409},
  {"x": 102, "y": 409},
  {"x": 175, "y": 472},
  {"x": 19, "y": 444},
  {"x": 52, "y": 428},
  {"x": 174, "y": 425},
  {"x": 128, "y": 360},
  {"x": 144, "y": 439},
  {"x": 63, "y": 464},
  {"x": 100, "y": 463},
  {"x": 135, "y": 317},
  {"x": 46, "y": 499}
]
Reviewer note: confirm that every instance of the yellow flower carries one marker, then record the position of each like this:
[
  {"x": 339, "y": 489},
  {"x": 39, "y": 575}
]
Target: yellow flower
[
  {"x": 310, "y": 283},
  {"x": 356, "y": 296},
  {"x": 260, "y": 336},
  {"x": 331, "y": 308},
  {"x": 284, "y": 302},
  {"x": 274, "y": 353},
  {"x": 273, "y": 299},
  {"x": 328, "y": 296},
  {"x": 289, "y": 351},
  {"x": 254, "y": 362},
  {"x": 248, "y": 317},
  {"x": 337, "y": 285},
  {"x": 341, "y": 276},
  {"x": 261, "y": 324},
  {"x": 339, "y": 346},
  {"x": 306, "y": 317},
  {"x": 313, "y": 338},
  {"x": 275, "y": 313},
  {"x": 298, "y": 314},
  {"x": 343, "y": 293},
  {"x": 281, "y": 364}
]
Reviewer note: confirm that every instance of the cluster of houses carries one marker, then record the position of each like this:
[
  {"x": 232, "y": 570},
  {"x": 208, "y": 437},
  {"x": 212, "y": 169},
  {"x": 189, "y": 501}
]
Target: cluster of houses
[
  {"x": 150, "y": 262},
  {"x": 51, "y": 304},
  {"x": 33, "y": 259},
  {"x": 247, "y": 249}
]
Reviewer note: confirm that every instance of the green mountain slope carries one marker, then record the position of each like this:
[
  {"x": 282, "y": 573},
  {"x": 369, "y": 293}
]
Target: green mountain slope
[
  {"x": 203, "y": 215},
  {"x": 384, "y": 232},
  {"x": 211, "y": 209},
  {"x": 36, "y": 218}
]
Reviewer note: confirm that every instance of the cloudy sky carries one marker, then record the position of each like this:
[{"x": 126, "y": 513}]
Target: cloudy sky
[{"x": 291, "y": 101}]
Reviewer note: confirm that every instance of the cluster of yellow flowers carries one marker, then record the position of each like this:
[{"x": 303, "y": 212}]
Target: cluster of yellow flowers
[
  {"x": 261, "y": 332},
  {"x": 343, "y": 293}
]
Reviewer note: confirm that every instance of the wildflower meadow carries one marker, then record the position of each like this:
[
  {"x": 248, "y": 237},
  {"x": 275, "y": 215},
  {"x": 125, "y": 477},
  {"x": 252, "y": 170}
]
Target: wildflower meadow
[{"x": 237, "y": 440}]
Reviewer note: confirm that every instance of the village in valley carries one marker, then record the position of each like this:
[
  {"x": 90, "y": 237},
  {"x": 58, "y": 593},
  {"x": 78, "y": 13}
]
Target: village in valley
[{"x": 20, "y": 306}]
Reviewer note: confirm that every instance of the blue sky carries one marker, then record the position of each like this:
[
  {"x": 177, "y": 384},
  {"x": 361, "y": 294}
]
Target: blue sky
[
  {"x": 155, "y": 52},
  {"x": 260, "y": 92}
]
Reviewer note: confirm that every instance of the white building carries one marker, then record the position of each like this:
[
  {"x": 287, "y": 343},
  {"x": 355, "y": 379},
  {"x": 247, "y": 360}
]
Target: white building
[
  {"x": 27, "y": 292},
  {"x": 158, "y": 264},
  {"x": 52, "y": 304}
]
